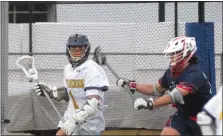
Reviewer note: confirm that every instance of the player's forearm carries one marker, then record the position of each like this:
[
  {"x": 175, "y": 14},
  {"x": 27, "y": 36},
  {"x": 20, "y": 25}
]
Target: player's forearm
[
  {"x": 145, "y": 88},
  {"x": 162, "y": 101}
]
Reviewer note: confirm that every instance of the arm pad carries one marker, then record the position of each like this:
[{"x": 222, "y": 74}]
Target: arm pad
[
  {"x": 176, "y": 96},
  {"x": 156, "y": 92}
]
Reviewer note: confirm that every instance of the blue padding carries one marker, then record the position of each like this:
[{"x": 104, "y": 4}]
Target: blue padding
[{"x": 204, "y": 34}]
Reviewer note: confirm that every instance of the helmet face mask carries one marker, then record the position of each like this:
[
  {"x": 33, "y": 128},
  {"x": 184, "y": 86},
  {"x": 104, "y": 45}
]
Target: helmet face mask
[
  {"x": 174, "y": 58},
  {"x": 179, "y": 51},
  {"x": 78, "y": 49},
  {"x": 76, "y": 53}
]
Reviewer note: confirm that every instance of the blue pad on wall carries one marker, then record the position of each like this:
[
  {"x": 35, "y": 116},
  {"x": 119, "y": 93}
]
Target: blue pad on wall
[{"x": 204, "y": 34}]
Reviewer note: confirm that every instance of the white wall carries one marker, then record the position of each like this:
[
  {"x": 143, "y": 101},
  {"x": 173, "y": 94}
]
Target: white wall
[{"x": 112, "y": 37}]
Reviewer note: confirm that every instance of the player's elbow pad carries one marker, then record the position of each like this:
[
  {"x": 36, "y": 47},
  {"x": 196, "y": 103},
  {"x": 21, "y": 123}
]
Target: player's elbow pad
[
  {"x": 176, "y": 96},
  {"x": 156, "y": 91},
  {"x": 206, "y": 123}
]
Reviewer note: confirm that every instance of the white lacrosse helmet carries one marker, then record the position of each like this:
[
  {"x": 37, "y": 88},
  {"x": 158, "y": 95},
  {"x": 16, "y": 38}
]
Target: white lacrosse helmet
[{"x": 179, "y": 50}]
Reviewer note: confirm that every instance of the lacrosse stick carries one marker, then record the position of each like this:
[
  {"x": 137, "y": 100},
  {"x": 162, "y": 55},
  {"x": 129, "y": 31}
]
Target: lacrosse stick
[
  {"x": 100, "y": 58},
  {"x": 26, "y": 63}
]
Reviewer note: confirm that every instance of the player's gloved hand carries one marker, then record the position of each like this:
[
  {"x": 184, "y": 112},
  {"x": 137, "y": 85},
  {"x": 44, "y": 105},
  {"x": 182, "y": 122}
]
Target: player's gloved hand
[
  {"x": 81, "y": 116},
  {"x": 69, "y": 126},
  {"x": 130, "y": 84},
  {"x": 60, "y": 124},
  {"x": 89, "y": 109},
  {"x": 52, "y": 91},
  {"x": 140, "y": 103},
  {"x": 59, "y": 94},
  {"x": 48, "y": 89}
]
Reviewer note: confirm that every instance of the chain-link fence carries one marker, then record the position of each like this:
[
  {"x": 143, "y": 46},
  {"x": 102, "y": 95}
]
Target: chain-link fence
[
  {"x": 129, "y": 33},
  {"x": 117, "y": 28}
]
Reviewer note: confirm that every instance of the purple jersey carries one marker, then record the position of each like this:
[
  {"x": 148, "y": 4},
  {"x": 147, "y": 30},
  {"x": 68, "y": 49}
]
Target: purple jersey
[{"x": 195, "y": 82}]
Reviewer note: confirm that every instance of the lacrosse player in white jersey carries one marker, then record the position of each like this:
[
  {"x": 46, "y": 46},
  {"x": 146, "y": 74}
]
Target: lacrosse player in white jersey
[
  {"x": 85, "y": 83},
  {"x": 210, "y": 119}
]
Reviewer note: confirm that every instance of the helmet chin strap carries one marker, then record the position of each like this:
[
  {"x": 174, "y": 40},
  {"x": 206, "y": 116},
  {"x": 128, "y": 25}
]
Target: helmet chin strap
[
  {"x": 176, "y": 70},
  {"x": 180, "y": 66}
]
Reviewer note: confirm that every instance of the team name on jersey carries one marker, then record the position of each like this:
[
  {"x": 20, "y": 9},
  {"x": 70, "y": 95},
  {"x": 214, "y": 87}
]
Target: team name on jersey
[{"x": 75, "y": 83}]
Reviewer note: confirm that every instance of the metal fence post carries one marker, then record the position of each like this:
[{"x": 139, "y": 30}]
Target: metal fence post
[{"x": 4, "y": 64}]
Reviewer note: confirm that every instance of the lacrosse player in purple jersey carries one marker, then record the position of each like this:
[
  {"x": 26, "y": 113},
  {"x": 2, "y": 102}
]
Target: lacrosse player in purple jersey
[
  {"x": 85, "y": 83},
  {"x": 189, "y": 88}
]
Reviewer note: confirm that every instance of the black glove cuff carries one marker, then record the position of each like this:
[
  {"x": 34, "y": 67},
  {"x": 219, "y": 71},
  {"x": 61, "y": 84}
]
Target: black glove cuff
[{"x": 150, "y": 104}]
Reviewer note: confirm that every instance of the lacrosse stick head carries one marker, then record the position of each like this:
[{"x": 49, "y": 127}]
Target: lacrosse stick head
[
  {"x": 26, "y": 63},
  {"x": 99, "y": 57}
]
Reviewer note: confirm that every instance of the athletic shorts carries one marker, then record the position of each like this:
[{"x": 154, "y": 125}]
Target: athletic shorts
[{"x": 185, "y": 126}]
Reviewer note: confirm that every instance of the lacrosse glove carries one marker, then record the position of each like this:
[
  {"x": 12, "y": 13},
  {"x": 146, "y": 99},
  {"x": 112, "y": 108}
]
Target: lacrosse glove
[
  {"x": 141, "y": 103},
  {"x": 54, "y": 93},
  {"x": 130, "y": 84}
]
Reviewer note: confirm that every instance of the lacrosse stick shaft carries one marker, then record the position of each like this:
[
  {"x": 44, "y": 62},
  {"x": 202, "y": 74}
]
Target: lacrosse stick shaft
[
  {"x": 117, "y": 77},
  {"x": 112, "y": 71},
  {"x": 51, "y": 102},
  {"x": 133, "y": 99},
  {"x": 99, "y": 56}
]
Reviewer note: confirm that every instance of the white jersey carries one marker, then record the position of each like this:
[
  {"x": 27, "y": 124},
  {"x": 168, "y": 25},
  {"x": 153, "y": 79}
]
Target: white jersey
[
  {"x": 214, "y": 108},
  {"x": 87, "y": 79}
]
